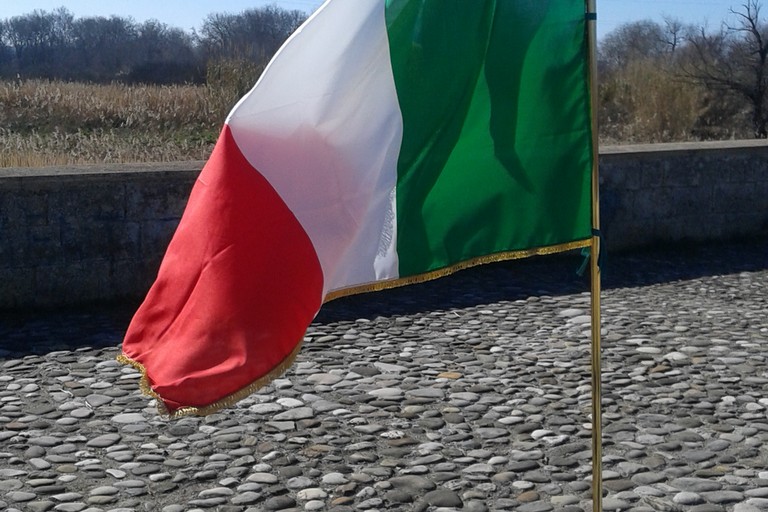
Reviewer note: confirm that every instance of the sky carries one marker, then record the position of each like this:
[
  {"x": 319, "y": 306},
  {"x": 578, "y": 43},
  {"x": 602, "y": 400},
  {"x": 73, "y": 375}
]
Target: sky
[{"x": 189, "y": 14}]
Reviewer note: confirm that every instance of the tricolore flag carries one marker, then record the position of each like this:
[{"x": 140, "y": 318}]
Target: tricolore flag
[{"x": 388, "y": 142}]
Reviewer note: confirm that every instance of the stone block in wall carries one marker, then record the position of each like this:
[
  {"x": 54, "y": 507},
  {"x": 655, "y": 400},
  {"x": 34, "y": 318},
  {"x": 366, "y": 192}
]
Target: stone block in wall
[
  {"x": 71, "y": 282},
  {"x": 157, "y": 199},
  {"x": 155, "y": 236},
  {"x": 616, "y": 209},
  {"x": 74, "y": 245},
  {"x": 26, "y": 207},
  {"x": 16, "y": 287},
  {"x": 757, "y": 172},
  {"x": 691, "y": 228},
  {"x": 693, "y": 200},
  {"x": 652, "y": 174},
  {"x": 43, "y": 243},
  {"x": 618, "y": 176},
  {"x": 636, "y": 234},
  {"x": 125, "y": 240},
  {"x": 654, "y": 203},
  {"x": 730, "y": 197},
  {"x": 710, "y": 171},
  {"x": 744, "y": 224},
  {"x": 677, "y": 173},
  {"x": 8, "y": 219},
  {"x": 99, "y": 238},
  {"x": 87, "y": 239},
  {"x": 132, "y": 279},
  {"x": 13, "y": 244},
  {"x": 737, "y": 169},
  {"x": 99, "y": 200}
]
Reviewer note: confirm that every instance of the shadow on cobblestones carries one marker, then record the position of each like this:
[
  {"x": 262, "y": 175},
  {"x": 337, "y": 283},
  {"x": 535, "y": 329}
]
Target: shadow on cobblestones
[
  {"x": 554, "y": 275},
  {"x": 470, "y": 393},
  {"x": 38, "y": 332}
]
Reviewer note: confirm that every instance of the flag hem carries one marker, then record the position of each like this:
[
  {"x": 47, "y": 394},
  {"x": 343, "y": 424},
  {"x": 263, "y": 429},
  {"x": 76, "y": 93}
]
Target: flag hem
[
  {"x": 227, "y": 401},
  {"x": 463, "y": 265}
]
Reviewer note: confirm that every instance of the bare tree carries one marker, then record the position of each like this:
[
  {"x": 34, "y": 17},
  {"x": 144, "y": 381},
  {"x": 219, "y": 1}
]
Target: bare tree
[
  {"x": 735, "y": 59},
  {"x": 674, "y": 33},
  {"x": 253, "y": 35},
  {"x": 164, "y": 55},
  {"x": 630, "y": 42},
  {"x": 37, "y": 38},
  {"x": 103, "y": 48}
]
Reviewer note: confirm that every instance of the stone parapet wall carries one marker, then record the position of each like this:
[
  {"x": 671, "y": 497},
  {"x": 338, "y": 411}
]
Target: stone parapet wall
[
  {"x": 670, "y": 193},
  {"x": 79, "y": 235},
  {"x": 88, "y": 234}
]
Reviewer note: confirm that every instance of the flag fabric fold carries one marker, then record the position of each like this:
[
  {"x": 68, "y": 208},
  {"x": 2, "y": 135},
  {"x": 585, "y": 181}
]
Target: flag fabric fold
[{"x": 388, "y": 142}]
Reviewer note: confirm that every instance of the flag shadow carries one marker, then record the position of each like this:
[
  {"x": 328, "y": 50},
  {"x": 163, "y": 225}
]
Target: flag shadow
[
  {"x": 554, "y": 276},
  {"x": 103, "y": 326}
]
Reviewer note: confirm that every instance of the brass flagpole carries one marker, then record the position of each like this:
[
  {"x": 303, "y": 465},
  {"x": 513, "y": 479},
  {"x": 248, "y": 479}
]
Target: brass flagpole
[{"x": 597, "y": 447}]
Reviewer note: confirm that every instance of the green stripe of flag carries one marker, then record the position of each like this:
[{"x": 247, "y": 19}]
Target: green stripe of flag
[{"x": 495, "y": 107}]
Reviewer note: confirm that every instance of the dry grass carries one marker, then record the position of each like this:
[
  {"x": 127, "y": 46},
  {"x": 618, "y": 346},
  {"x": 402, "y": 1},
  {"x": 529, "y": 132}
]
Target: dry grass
[
  {"x": 42, "y": 105},
  {"x": 648, "y": 102},
  {"x": 50, "y": 123},
  {"x": 97, "y": 146},
  {"x": 644, "y": 103}
]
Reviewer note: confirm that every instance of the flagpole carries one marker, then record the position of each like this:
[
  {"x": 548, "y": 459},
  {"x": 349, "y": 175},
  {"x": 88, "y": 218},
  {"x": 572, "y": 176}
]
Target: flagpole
[{"x": 597, "y": 446}]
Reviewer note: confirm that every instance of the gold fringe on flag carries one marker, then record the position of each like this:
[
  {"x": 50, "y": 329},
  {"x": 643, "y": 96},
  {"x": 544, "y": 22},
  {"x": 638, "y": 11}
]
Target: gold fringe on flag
[
  {"x": 146, "y": 387},
  {"x": 443, "y": 272},
  {"x": 227, "y": 401}
]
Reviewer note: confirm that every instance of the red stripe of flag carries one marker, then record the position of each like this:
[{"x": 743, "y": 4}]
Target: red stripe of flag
[{"x": 237, "y": 287}]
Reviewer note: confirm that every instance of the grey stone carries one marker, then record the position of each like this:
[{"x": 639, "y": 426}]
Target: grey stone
[
  {"x": 66, "y": 497},
  {"x": 387, "y": 393},
  {"x": 103, "y": 441},
  {"x": 279, "y": 503},
  {"x": 10, "y": 485},
  {"x": 263, "y": 478},
  {"x": 479, "y": 468},
  {"x": 443, "y": 498},
  {"x": 611, "y": 503},
  {"x": 20, "y": 496},
  {"x": 246, "y": 498},
  {"x": 412, "y": 483},
  {"x": 299, "y": 482},
  {"x": 129, "y": 418},
  {"x": 536, "y": 506},
  {"x": 70, "y": 507},
  {"x": 311, "y": 494},
  {"x": 688, "y": 498},
  {"x": 39, "y": 506},
  {"x": 723, "y": 497},
  {"x": 695, "y": 484},
  {"x": 745, "y": 507}
]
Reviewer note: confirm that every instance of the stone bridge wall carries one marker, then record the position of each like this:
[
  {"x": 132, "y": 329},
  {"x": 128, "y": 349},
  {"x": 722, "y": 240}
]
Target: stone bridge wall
[{"x": 92, "y": 234}]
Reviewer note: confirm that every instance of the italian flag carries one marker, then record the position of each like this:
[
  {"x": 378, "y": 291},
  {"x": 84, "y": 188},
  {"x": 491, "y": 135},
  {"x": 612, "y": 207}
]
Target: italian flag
[{"x": 388, "y": 142}]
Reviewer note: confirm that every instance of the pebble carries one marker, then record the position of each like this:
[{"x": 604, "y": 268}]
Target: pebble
[
  {"x": 128, "y": 418},
  {"x": 468, "y": 393}
]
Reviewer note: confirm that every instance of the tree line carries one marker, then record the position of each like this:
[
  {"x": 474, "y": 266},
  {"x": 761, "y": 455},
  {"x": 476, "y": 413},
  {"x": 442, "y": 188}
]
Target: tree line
[
  {"x": 659, "y": 82},
  {"x": 56, "y": 45}
]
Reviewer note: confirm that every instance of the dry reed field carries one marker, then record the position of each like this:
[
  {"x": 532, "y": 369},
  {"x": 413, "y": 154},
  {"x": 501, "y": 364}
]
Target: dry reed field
[
  {"x": 52, "y": 123},
  {"x": 44, "y": 123}
]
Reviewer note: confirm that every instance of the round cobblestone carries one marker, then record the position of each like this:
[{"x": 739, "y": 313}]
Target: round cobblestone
[{"x": 468, "y": 393}]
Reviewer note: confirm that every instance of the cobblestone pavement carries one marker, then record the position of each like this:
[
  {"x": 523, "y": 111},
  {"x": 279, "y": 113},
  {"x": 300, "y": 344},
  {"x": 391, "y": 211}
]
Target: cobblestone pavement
[{"x": 471, "y": 393}]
